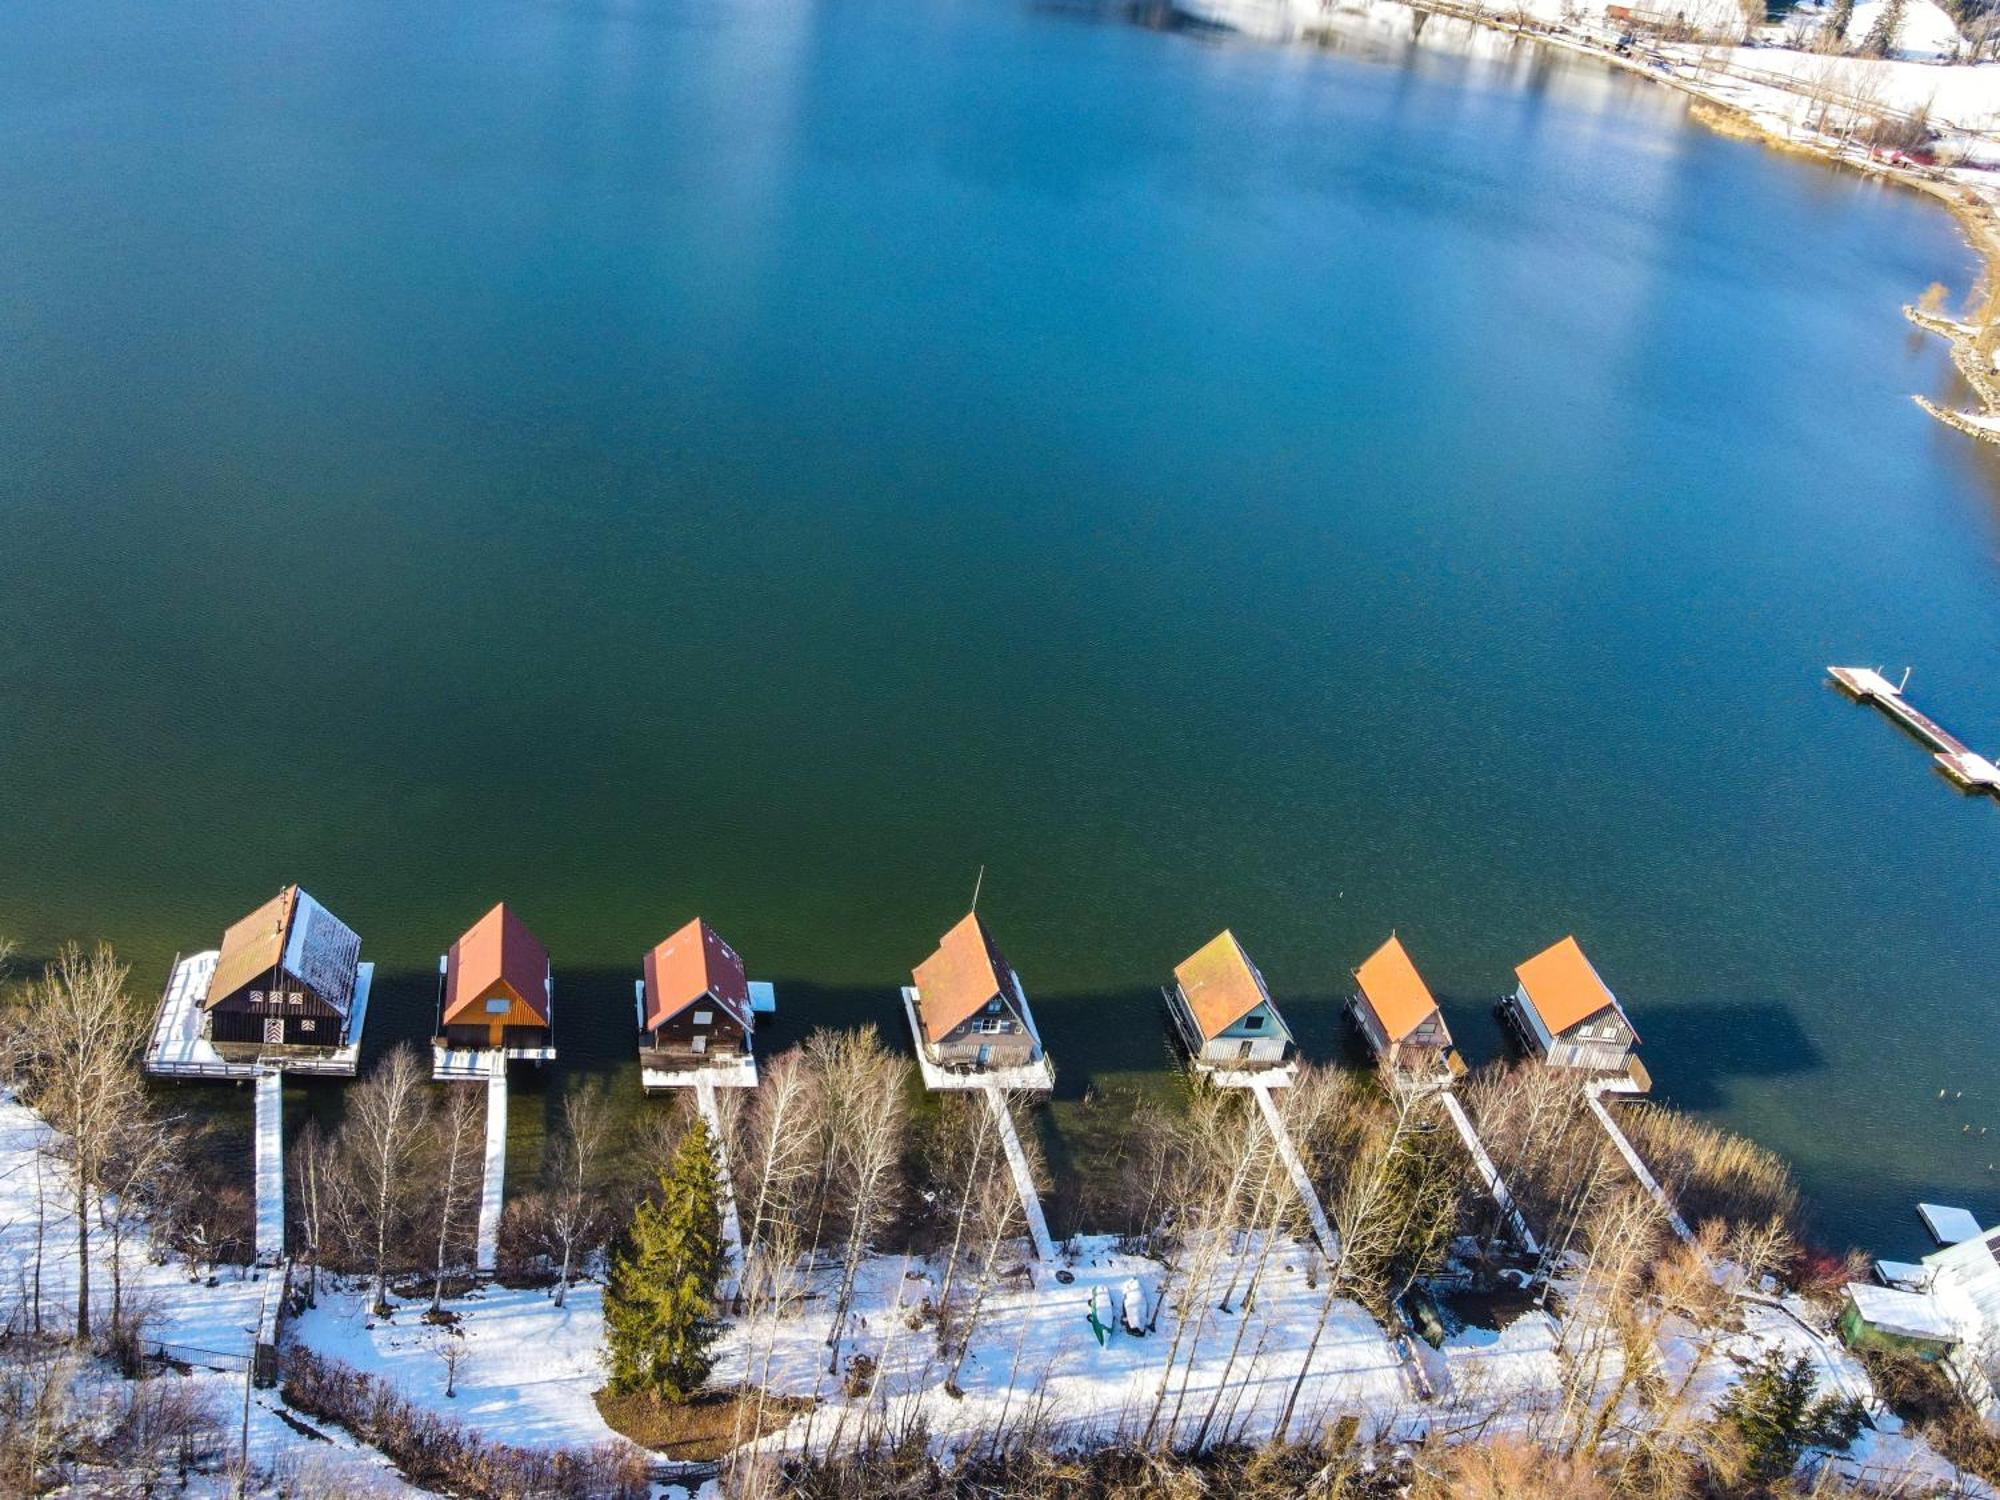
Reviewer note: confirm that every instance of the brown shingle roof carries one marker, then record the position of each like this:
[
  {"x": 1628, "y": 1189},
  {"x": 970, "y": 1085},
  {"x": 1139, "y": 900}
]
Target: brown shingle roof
[
  {"x": 252, "y": 946},
  {"x": 1563, "y": 987},
  {"x": 1395, "y": 991},
  {"x": 955, "y": 982},
  {"x": 1220, "y": 984},
  {"x": 497, "y": 953},
  {"x": 694, "y": 964}
]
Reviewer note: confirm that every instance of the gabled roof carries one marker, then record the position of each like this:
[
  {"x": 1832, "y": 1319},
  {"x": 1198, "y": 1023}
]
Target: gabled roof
[
  {"x": 1395, "y": 991},
  {"x": 694, "y": 964},
  {"x": 294, "y": 934},
  {"x": 955, "y": 982},
  {"x": 1220, "y": 985},
  {"x": 496, "y": 952},
  {"x": 1564, "y": 989}
]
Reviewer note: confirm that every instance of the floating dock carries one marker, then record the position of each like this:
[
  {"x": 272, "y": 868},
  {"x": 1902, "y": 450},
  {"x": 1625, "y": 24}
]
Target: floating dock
[
  {"x": 1024, "y": 1180},
  {"x": 1302, "y": 1183},
  {"x": 1967, "y": 768},
  {"x": 1592, "y": 1096},
  {"x": 732, "y": 1225}
]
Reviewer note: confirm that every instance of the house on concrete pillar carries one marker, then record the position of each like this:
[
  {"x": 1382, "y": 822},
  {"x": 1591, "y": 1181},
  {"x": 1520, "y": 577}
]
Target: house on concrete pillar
[
  {"x": 1567, "y": 1015},
  {"x": 495, "y": 990},
  {"x": 285, "y": 982},
  {"x": 1399, "y": 1017},
  {"x": 970, "y": 1009},
  {"x": 1223, "y": 1010},
  {"x": 694, "y": 1002}
]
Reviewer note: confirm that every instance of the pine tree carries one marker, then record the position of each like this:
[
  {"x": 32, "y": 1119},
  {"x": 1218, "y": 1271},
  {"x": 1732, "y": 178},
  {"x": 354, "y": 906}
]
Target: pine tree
[
  {"x": 1881, "y": 38},
  {"x": 1774, "y": 1417},
  {"x": 660, "y": 1304},
  {"x": 1841, "y": 19}
]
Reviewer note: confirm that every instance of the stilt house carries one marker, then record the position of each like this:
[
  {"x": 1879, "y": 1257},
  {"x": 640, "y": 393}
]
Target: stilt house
[
  {"x": 1223, "y": 1009},
  {"x": 696, "y": 1001},
  {"x": 285, "y": 979},
  {"x": 970, "y": 1006},
  {"x": 1399, "y": 1017},
  {"x": 496, "y": 990},
  {"x": 1568, "y": 1016}
]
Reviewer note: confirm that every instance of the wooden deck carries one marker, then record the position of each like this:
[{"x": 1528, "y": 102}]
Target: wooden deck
[{"x": 1965, "y": 767}]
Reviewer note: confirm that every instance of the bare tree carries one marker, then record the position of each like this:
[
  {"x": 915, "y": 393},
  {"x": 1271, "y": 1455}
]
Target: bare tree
[
  {"x": 315, "y": 1187},
  {"x": 460, "y": 1134},
  {"x": 380, "y": 1141},
  {"x": 574, "y": 1212},
  {"x": 781, "y": 1133},
  {"x": 863, "y": 1084},
  {"x": 76, "y": 1064}
]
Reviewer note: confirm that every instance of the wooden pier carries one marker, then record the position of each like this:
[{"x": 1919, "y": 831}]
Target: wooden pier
[{"x": 1966, "y": 768}]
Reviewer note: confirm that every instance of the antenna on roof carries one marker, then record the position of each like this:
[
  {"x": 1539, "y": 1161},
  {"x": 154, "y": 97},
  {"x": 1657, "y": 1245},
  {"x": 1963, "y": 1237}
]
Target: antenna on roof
[
  {"x": 978, "y": 881},
  {"x": 1905, "y": 682}
]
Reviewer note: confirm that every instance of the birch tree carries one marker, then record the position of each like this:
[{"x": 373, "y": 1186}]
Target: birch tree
[
  {"x": 381, "y": 1139},
  {"x": 77, "y": 1065},
  {"x": 460, "y": 1142},
  {"x": 867, "y": 1146},
  {"x": 575, "y": 1211}
]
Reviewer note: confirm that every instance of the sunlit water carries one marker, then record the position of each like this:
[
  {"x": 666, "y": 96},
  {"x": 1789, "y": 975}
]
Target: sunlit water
[{"x": 769, "y": 460}]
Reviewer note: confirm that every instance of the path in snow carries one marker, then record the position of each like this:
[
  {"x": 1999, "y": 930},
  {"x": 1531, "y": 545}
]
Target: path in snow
[
  {"x": 270, "y": 1167},
  {"x": 1488, "y": 1173},
  {"x": 495, "y": 1184},
  {"x": 1024, "y": 1180},
  {"x": 1329, "y": 1243},
  {"x": 1646, "y": 1179}
]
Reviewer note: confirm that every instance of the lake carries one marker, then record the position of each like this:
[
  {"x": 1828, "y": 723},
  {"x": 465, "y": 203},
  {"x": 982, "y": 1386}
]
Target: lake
[{"x": 771, "y": 460}]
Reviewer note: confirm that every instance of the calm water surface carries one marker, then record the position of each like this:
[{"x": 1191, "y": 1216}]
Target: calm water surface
[{"x": 769, "y": 459}]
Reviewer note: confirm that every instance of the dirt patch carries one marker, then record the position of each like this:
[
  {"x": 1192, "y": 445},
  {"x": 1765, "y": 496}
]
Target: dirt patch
[{"x": 705, "y": 1428}]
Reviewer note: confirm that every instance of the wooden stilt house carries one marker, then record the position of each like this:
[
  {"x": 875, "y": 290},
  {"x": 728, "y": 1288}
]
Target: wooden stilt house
[
  {"x": 970, "y": 1007},
  {"x": 1223, "y": 1010},
  {"x": 1399, "y": 1017},
  {"x": 1568, "y": 1016},
  {"x": 495, "y": 990},
  {"x": 695, "y": 1001},
  {"x": 285, "y": 981}
]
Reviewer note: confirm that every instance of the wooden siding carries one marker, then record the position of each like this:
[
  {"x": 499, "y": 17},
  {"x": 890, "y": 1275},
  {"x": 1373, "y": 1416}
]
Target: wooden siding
[
  {"x": 1010, "y": 1047},
  {"x": 725, "y": 1034}
]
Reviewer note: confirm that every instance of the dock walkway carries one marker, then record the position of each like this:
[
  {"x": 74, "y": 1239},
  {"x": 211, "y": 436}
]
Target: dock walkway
[
  {"x": 1647, "y": 1180},
  {"x": 270, "y": 1159},
  {"x": 1954, "y": 757},
  {"x": 1488, "y": 1173},
  {"x": 492, "y": 1189},
  {"x": 1024, "y": 1180},
  {"x": 732, "y": 1223},
  {"x": 1329, "y": 1242}
]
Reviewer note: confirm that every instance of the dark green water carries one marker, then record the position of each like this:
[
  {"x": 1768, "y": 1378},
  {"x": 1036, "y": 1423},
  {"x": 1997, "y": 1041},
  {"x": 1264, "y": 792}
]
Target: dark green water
[{"x": 770, "y": 459}]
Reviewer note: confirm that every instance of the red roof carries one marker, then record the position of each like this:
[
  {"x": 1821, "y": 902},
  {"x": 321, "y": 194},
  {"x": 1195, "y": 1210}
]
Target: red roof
[
  {"x": 1395, "y": 991},
  {"x": 955, "y": 982},
  {"x": 692, "y": 965},
  {"x": 496, "y": 955}
]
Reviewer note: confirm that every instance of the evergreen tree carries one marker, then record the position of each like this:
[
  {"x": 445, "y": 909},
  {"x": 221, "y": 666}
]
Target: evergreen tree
[
  {"x": 660, "y": 1303},
  {"x": 1773, "y": 1415},
  {"x": 1881, "y": 38},
  {"x": 1841, "y": 18}
]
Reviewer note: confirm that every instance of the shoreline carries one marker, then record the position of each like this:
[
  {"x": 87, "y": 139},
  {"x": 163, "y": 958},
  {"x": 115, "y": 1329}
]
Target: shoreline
[{"x": 1975, "y": 212}]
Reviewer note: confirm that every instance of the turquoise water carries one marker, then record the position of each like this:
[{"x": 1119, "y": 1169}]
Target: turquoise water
[{"x": 772, "y": 459}]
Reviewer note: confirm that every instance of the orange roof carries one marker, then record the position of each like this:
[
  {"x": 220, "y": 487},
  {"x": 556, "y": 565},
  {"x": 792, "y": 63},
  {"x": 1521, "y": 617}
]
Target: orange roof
[
  {"x": 1563, "y": 987},
  {"x": 252, "y": 946},
  {"x": 694, "y": 964},
  {"x": 955, "y": 982},
  {"x": 1395, "y": 991},
  {"x": 1220, "y": 984},
  {"x": 496, "y": 954}
]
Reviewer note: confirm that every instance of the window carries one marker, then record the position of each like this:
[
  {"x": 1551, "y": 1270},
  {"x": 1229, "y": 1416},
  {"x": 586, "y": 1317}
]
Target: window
[
  {"x": 256, "y": 997},
  {"x": 703, "y": 1017},
  {"x": 1254, "y": 1023},
  {"x": 701, "y": 1044},
  {"x": 274, "y": 1030},
  {"x": 992, "y": 1007},
  {"x": 987, "y": 1027},
  {"x": 308, "y": 1025},
  {"x": 499, "y": 1007},
  {"x": 296, "y": 998}
]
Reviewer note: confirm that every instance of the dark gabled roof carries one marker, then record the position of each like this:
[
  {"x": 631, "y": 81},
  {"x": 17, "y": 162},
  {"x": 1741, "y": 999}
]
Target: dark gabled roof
[{"x": 292, "y": 934}]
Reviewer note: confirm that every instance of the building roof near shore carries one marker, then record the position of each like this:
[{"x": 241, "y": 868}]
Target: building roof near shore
[
  {"x": 1910, "y": 1315},
  {"x": 957, "y": 981},
  {"x": 294, "y": 935},
  {"x": 497, "y": 954},
  {"x": 1395, "y": 991},
  {"x": 1220, "y": 985},
  {"x": 1565, "y": 990},
  {"x": 694, "y": 965}
]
